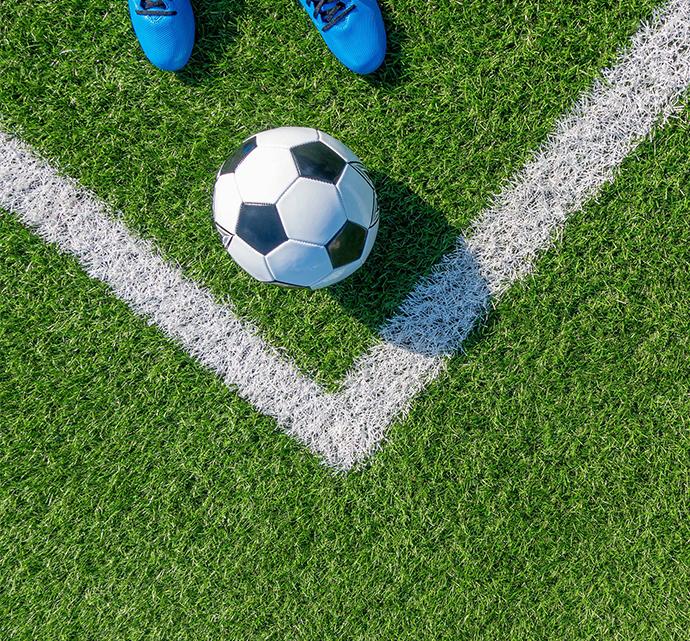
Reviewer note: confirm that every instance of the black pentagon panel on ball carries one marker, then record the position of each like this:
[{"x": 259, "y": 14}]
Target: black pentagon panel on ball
[
  {"x": 316, "y": 160},
  {"x": 347, "y": 245},
  {"x": 260, "y": 227},
  {"x": 232, "y": 163}
]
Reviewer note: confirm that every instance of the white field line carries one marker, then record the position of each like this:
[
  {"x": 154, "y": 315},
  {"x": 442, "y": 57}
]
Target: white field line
[{"x": 642, "y": 90}]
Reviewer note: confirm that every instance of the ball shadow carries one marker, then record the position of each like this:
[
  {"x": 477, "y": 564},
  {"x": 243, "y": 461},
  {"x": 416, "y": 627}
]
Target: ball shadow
[
  {"x": 412, "y": 237},
  {"x": 216, "y": 28}
]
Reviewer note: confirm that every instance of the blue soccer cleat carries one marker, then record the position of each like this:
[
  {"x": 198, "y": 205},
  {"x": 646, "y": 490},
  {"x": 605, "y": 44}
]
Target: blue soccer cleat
[
  {"x": 352, "y": 29},
  {"x": 165, "y": 29}
]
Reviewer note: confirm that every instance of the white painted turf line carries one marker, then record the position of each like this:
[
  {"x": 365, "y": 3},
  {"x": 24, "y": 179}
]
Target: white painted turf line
[{"x": 642, "y": 90}]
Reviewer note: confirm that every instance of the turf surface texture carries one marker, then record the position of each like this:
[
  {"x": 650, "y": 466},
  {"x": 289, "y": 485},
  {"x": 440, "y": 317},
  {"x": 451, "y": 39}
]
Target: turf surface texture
[{"x": 539, "y": 489}]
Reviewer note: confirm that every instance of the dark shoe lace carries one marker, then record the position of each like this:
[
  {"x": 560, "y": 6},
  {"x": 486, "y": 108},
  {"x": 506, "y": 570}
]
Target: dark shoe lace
[
  {"x": 148, "y": 5},
  {"x": 331, "y": 12}
]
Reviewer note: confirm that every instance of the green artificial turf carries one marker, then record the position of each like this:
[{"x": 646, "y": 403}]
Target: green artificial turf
[
  {"x": 469, "y": 90},
  {"x": 538, "y": 490}
]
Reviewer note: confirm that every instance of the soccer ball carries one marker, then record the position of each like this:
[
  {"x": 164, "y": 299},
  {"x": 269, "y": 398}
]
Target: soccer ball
[{"x": 295, "y": 207}]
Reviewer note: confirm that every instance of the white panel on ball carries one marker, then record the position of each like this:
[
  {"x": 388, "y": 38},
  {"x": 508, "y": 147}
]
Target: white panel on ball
[
  {"x": 226, "y": 202},
  {"x": 339, "y": 274},
  {"x": 286, "y": 137},
  {"x": 297, "y": 263},
  {"x": 358, "y": 196},
  {"x": 342, "y": 150},
  {"x": 311, "y": 211},
  {"x": 377, "y": 210},
  {"x": 265, "y": 174},
  {"x": 369, "y": 244},
  {"x": 249, "y": 259}
]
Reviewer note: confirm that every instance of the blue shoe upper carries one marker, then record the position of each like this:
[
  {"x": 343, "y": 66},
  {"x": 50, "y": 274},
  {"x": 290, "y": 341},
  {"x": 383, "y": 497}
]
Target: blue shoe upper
[
  {"x": 352, "y": 29},
  {"x": 165, "y": 29}
]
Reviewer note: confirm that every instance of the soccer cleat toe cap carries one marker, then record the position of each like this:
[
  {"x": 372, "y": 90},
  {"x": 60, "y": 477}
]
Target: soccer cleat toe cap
[
  {"x": 358, "y": 40},
  {"x": 165, "y": 33}
]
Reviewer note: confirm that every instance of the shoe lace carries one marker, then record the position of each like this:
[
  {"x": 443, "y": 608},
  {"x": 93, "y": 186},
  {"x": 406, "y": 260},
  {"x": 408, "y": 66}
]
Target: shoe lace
[
  {"x": 331, "y": 12},
  {"x": 147, "y": 5}
]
